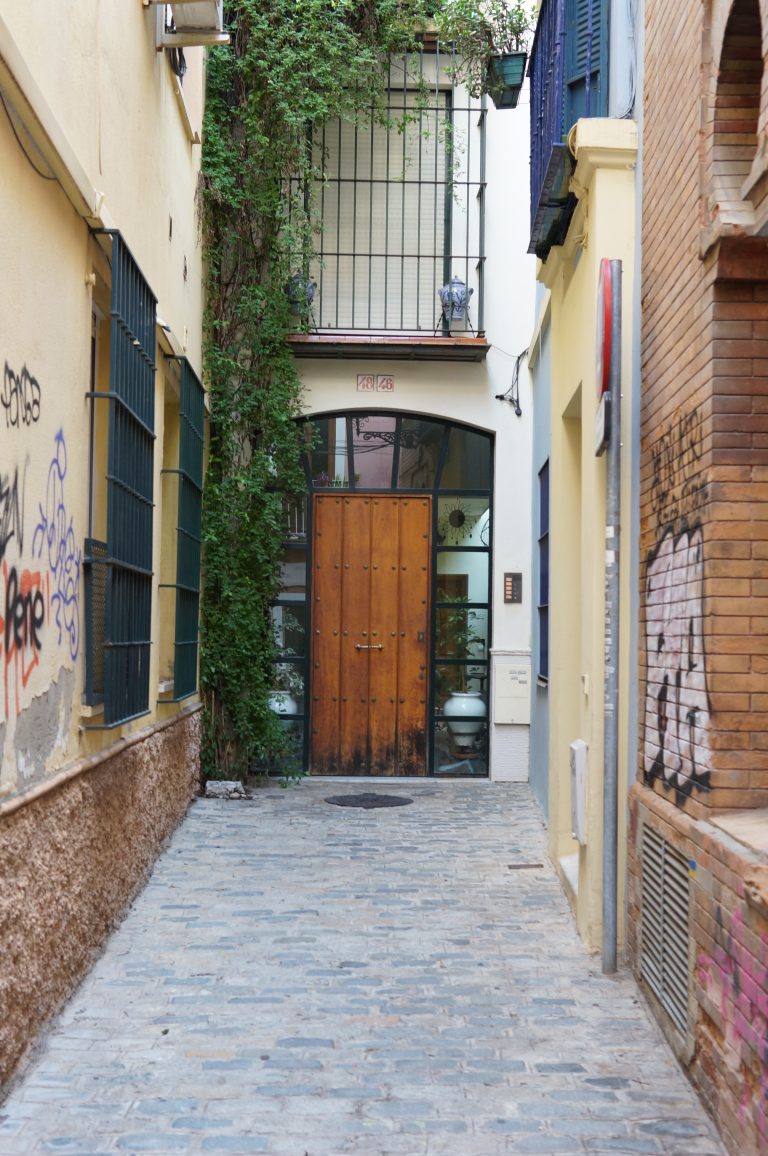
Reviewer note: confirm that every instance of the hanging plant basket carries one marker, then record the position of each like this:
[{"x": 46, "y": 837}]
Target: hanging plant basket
[{"x": 504, "y": 78}]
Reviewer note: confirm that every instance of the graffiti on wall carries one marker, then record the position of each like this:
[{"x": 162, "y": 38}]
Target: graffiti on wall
[
  {"x": 54, "y": 542},
  {"x": 677, "y": 487},
  {"x": 39, "y": 593},
  {"x": 676, "y": 748},
  {"x": 20, "y": 397},
  {"x": 735, "y": 980},
  {"x": 11, "y": 506}
]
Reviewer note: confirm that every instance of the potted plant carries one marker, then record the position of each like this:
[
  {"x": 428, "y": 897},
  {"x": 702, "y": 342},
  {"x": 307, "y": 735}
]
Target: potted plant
[
  {"x": 490, "y": 39},
  {"x": 287, "y": 688},
  {"x": 458, "y": 638}
]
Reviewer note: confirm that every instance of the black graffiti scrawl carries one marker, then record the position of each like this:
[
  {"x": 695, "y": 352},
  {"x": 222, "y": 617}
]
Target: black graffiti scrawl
[
  {"x": 19, "y": 397},
  {"x": 11, "y": 511},
  {"x": 677, "y": 704}
]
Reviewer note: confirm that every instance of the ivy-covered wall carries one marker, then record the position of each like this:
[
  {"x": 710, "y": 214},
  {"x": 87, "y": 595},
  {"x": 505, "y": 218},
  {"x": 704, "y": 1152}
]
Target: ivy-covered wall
[{"x": 291, "y": 63}]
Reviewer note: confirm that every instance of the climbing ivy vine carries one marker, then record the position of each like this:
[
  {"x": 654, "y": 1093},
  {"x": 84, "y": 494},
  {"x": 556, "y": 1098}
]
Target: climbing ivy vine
[{"x": 291, "y": 64}]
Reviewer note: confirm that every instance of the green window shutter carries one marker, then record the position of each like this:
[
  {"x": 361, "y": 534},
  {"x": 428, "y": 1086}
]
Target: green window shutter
[{"x": 586, "y": 60}]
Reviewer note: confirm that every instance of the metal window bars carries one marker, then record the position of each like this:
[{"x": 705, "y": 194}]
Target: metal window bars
[
  {"x": 397, "y": 208},
  {"x": 188, "y": 532},
  {"x": 120, "y": 570}
]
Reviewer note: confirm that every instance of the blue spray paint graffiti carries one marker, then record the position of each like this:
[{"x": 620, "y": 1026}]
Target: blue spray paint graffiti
[{"x": 55, "y": 536}]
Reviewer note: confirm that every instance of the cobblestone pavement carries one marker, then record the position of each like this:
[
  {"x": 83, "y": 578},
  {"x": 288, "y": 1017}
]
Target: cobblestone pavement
[{"x": 311, "y": 980}]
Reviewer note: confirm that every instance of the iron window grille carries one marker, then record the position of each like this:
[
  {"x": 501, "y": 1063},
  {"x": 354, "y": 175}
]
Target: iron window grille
[
  {"x": 398, "y": 208},
  {"x": 568, "y": 81},
  {"x": 188, "y": 532},
  {"x": 118, "y": 572}
]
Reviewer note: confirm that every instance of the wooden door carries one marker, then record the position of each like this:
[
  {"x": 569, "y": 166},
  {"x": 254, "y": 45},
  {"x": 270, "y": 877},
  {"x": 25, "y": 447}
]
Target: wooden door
[{"x": 370, "y": 647}]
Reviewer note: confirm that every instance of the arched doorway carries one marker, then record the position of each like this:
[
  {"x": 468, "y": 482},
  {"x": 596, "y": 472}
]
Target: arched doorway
[{"x": 384, "y": 616}]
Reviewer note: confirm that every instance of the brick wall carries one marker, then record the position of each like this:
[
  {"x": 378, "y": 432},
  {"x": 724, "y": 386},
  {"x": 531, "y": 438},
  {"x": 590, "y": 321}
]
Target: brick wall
[
  {"x": 676, "y": 445},
  {"x": 704, "y": 536},
  {"x": 704, "y": 431},
  {"x": 725, "y": 1048}
]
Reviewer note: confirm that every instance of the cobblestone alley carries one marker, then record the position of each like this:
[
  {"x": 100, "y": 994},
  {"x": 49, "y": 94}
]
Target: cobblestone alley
[{"x": 304, "y": 979}]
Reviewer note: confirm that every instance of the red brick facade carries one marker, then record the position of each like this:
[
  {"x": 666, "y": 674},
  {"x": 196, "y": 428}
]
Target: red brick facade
[{"x": 704, "y": 527}]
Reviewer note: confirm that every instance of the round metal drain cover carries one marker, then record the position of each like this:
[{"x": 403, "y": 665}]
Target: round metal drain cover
[{"x": 369, "y": 800}]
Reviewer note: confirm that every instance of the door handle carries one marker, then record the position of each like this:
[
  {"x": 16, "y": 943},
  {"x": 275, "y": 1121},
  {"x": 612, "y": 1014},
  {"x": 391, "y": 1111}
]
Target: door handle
[{"x": 362, "y": 646}]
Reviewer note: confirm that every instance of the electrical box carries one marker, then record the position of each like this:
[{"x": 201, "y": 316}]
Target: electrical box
[
  {"x": 579, "y": 790},
  {"x": 512, "y": 693}
]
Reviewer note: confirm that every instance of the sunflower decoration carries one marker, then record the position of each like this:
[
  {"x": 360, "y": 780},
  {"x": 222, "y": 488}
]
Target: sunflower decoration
[{"x": 455, "y": 524}]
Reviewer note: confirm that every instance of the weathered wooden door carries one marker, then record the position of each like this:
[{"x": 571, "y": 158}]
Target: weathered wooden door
[{"x": 370, "y": 616}]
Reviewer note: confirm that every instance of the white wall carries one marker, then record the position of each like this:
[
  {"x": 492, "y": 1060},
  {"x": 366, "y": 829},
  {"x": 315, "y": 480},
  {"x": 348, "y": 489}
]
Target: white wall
[{"x": 467, "y": 392}]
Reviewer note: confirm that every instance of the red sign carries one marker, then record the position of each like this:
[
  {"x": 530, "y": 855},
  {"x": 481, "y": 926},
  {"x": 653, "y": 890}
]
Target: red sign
[{"x": 604, "y": 326}]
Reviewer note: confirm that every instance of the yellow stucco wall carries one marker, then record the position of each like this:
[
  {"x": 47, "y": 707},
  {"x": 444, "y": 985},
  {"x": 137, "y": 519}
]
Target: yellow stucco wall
[
  {"x": 90, "y": 106},
  {"x": 603, "y": 227}
]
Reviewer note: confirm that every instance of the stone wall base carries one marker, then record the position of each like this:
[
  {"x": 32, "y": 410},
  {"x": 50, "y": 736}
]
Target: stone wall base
[
  {"x": 725, "y": 1046},
  {"x": 71, "y": 861}
]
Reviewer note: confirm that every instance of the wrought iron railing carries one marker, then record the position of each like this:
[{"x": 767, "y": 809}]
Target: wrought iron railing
[{"x": 398, "y": 208}]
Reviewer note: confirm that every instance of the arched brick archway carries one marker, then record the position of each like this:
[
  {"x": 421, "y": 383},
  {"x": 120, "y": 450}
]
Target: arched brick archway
[{"x": 735, "y": 118}]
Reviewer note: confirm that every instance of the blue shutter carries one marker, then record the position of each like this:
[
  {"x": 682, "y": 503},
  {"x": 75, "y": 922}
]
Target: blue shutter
[{"x": 586, "y": 60}]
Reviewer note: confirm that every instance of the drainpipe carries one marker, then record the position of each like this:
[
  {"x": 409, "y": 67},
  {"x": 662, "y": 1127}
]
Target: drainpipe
[{"x": 611, "y": 652}]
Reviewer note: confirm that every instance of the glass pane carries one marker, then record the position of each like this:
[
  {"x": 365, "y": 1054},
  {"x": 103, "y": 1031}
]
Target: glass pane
[
  {"x": 292, "y": 758},
  {"x": 289, "y": 621},
  {"x": 462, "y": 575},
  {"x": 463, "y": 522},
  {"x": 295, "y": 518},
  {"x": 373, "y": 438},
  {"x": 468, "y": 463},
  {"x": 544, "y": 569},
  {"x": 419, "y": 449},
  {"x": 328, "y": 456},
  {"x": 451, "y": 759},
  {"x": 461, "y": 732},
  {"x": 293, "y": 571},
  {"x": 544, "y": 499},
  {"x": 466, "y": 680},
  {"x": 287, "y": 692},
  {"x": 461, "y": 632}
]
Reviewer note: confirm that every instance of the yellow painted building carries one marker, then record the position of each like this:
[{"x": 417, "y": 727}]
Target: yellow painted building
[
  {"x": 101, "y": 448},
  {"x": 602, "y": 226}
]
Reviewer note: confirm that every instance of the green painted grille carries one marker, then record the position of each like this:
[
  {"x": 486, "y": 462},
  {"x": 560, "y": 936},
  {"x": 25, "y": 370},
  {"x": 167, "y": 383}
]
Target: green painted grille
[
  {"x": 119, "y": 572},
  {"x": 95, "y": 571},
  {"x": 192, "y": 419}
]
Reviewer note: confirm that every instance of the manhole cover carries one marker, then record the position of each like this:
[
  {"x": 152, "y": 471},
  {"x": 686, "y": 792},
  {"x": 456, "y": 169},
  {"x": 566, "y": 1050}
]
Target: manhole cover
[{"x": 369, "y": 800}]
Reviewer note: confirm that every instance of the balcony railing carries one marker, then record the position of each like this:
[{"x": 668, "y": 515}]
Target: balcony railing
[
  {"x": 567, "y": 72},
  {"x": 398, "y": 208}
]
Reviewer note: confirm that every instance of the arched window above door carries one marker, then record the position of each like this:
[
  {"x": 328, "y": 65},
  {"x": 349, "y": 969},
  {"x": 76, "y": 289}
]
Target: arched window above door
[{"x": 388, "y": 451}]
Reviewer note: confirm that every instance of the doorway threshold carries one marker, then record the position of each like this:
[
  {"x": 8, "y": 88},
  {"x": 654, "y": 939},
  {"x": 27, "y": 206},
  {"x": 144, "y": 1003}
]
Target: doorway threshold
[{"x": 383, "y": 780}]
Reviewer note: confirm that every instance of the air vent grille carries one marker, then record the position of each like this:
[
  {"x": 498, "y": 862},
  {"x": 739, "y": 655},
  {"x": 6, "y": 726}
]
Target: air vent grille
[{"x": 664, "y": 948}]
